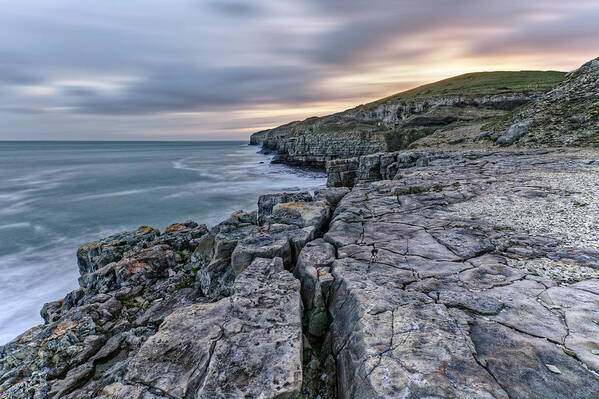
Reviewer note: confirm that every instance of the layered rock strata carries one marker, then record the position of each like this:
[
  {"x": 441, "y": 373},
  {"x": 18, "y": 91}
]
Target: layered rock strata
[
  {"x": 388, "y": 126},
  {"x": 451, "y": 107},
  {"x": 455, "y": 275}
]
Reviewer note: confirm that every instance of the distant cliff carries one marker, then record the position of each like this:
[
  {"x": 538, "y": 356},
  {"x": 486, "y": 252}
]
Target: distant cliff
[{"x": 393, "y": 123}]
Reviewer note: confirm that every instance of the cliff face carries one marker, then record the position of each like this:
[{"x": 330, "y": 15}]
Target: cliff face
[
  {"x": 462, "y": 275},
  {"x": 568, "y": 115},
  {"x": 258, "y": 138},
  {"x": 395, "y": 122}
]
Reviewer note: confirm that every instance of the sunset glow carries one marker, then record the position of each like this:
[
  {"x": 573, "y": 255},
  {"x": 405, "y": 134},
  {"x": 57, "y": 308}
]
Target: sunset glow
[{"x": 221, "y": 70}]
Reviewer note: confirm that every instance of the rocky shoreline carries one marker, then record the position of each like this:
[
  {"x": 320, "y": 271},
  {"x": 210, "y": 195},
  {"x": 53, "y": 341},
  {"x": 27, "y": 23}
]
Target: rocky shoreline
[
  {"x": 414, "y": 274},
  {"x": 453, "y": 273}
]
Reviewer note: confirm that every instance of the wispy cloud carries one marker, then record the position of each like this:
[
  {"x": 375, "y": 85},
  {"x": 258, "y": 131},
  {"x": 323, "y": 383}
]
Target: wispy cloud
[{"x": 217, "y": 69}]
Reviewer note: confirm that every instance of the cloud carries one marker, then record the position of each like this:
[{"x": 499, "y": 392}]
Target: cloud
[
  {"x": 235, "y": 8},
  {"x": 73, "y": 63}
]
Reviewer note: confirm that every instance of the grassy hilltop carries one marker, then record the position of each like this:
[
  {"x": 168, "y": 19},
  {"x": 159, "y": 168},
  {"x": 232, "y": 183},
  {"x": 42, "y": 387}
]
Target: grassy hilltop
[{"x": 463, "y": 102}]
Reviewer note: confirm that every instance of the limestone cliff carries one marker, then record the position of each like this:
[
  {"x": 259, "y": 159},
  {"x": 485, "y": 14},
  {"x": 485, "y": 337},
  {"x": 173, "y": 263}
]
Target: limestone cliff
[
  {"x": 415, "y": 274},
  {"x": 394, "y": 122}
]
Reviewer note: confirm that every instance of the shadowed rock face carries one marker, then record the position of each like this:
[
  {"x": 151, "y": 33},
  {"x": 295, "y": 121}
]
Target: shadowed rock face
[{"x": 458, "y": 275}]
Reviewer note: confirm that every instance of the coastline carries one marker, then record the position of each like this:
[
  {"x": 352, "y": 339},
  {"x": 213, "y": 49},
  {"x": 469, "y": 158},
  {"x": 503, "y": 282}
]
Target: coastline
[
  {"x": 467, "y": 267},
  {"x": 318, "y": 281},
  {"x": 49, "y": 205}
]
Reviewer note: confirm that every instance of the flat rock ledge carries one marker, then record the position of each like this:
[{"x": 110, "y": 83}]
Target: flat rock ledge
[{"x": 416, "y": 275}]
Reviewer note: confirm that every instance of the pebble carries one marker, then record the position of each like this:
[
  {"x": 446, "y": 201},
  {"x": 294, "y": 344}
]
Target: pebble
[{"x": 553, "y": 369}]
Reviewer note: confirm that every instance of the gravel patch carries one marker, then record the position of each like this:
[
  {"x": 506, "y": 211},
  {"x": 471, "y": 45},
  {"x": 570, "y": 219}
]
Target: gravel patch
[
  {"x": 568, "y": 210},
  {"x": 565, "y": 272}
]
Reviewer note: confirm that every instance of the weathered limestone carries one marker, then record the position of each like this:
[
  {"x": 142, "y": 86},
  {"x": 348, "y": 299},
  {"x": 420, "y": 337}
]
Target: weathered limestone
[
  {"x": 428, "y": 298},
  {"x": 458, "y": 275},
  {"x": 302, "y": 214},
  {"x": 331, "y": 195},
  {"x": 95, "y": 255},
  {"x": 192, "y": 312},
  {"x": 313, "y": 270},
  {"x": 567, "y": 115},
  {"x": 373, "y": 167},
  {"x": 514, "y": 133},
  {"x": 247, "y": 345},
  {"x": 267, "y": 202}
]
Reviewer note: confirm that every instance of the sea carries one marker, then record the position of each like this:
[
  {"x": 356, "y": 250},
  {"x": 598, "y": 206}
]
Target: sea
[{"x": 55, "y": 196}]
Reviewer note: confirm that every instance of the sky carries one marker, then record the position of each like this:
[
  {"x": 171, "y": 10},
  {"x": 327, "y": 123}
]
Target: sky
[{"x": 220, "y": 70}]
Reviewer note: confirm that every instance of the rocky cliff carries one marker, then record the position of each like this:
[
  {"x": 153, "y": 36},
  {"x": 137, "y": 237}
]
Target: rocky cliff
[
  {"x": 395, "y": 122},
  {"x": 438, "y": 274},
  {"x": 568, "y": 115}
]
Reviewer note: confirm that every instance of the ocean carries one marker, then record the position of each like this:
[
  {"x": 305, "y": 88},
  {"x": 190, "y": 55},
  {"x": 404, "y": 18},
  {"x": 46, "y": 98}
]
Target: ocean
[{"x": 55, "y": 196}]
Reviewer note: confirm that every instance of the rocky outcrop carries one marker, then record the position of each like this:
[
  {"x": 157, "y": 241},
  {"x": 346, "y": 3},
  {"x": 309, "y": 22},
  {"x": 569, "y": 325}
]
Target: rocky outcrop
[
  {"x": 246, "y": 345},
  {"x": 437, "y": 274},
  {"x": 444, "y": 288},
  {"x": 568, "y": 115},
  {"x": 373, "y": 167},
  {"x": 395, "y": 122},
  {"x": 258, "y": 137},
  {"x": 192, "y": 312}
]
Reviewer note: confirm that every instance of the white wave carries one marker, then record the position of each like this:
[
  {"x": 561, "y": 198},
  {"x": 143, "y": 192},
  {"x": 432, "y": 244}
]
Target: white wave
[
  {"x": 16, "y": 208},
  {"x": 36, "y": 275},
  {"x": 123, "y": 193},
  {"x": 15, "y": 226},
  {"x": 183, "y": 164},
  {"x": 44, "y": 179}
]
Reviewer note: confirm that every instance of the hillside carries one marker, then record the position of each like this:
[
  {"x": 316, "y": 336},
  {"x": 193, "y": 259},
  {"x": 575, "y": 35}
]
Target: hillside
[
  {"x": 568, "y": 115},
  {"x": 394, "y": 122}
]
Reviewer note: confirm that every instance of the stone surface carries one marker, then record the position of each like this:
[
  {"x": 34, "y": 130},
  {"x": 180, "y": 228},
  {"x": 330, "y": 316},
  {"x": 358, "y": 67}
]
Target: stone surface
[
  {"x": 331, "y": 196},
  {"x": 514, "y": 133},
  {"x": 313, "y": 270},
  {"x": 439, "y": 274},
  {"x": 191, "y": 312},
  {"x": 247, "y": 345},
  {"x": 430, "y": 298},
  {"x": 302, "y": 214},
  {"x": 267, "y": 202}
]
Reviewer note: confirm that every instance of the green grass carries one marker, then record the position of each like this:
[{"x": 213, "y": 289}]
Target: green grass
[
  {"x": 479, "y": 83},
  {"x": 185, "y": 282},
  {"x": 468, "y": 85}
]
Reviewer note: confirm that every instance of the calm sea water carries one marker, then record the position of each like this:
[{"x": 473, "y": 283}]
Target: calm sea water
[{"x": 55, "y": 196}]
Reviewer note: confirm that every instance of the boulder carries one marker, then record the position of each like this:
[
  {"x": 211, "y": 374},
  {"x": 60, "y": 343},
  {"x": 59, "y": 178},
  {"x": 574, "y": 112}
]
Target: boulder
[
  {"x": 267, "y": 202},
  {"x": 514, "y": 133},
  {"x": 302, "y": 214},
  {"x": 248, "y": 345}
]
